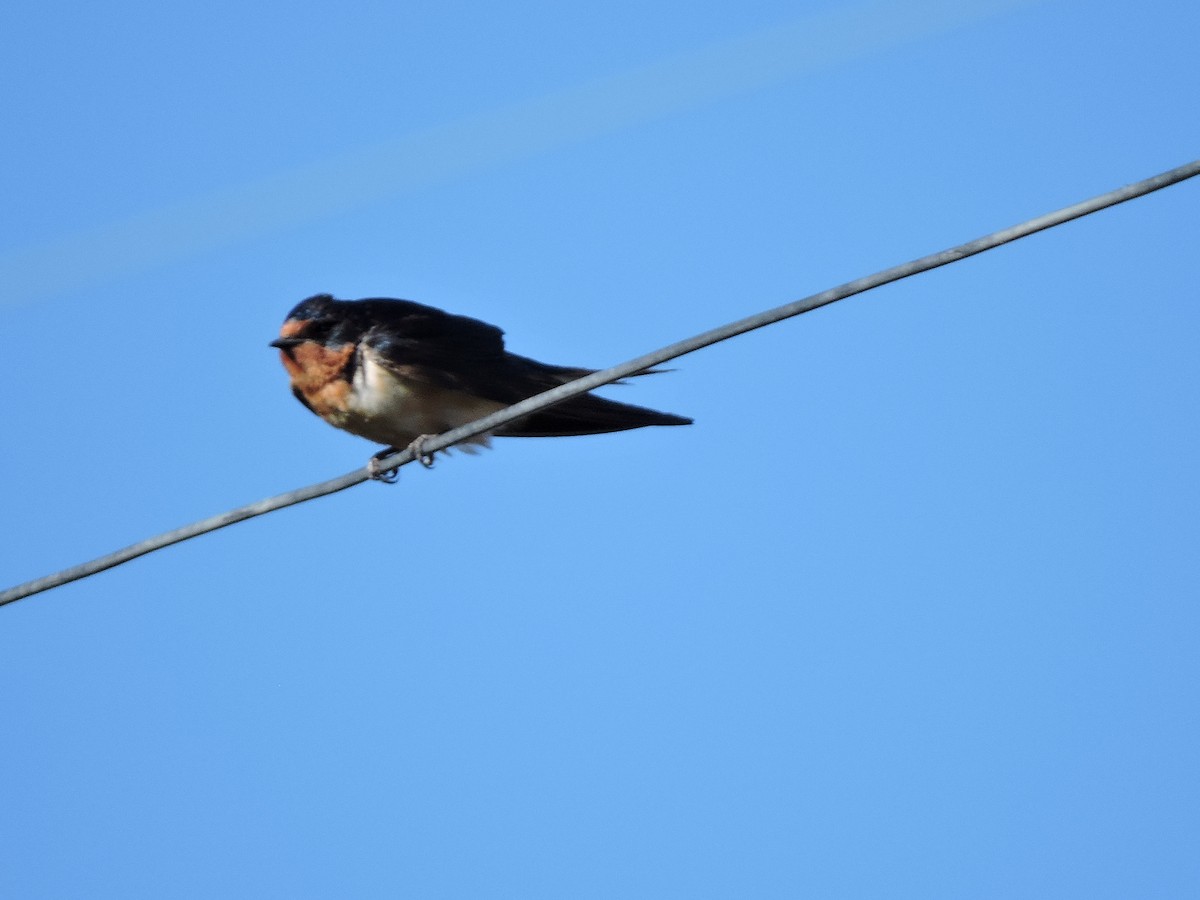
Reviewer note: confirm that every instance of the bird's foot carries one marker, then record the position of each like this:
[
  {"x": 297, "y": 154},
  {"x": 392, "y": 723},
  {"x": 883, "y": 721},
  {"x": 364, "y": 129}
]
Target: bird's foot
[
  {"x": 391, "y": 476},
  {"x": 418, "y": 450},
  {"x": 377, "y": 472}
]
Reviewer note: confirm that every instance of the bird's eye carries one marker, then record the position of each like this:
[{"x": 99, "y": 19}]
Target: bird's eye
[{"x": 317, "y": 329}]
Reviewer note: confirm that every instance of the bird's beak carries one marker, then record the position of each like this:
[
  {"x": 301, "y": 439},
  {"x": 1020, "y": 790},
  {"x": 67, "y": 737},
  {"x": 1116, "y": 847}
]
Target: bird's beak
[{"x": 285, "y": 343}]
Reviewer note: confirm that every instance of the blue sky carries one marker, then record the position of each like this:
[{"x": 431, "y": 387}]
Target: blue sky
[{"x": 910, "y": 611}]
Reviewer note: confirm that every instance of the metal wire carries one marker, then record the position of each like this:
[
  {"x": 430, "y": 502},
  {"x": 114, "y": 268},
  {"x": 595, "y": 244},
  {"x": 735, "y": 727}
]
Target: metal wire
[{"x": 597, "y": 379}]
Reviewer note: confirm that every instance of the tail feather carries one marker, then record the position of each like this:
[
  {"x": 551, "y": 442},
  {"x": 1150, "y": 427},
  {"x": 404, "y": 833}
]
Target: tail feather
[{"x": 588, "y": 414}]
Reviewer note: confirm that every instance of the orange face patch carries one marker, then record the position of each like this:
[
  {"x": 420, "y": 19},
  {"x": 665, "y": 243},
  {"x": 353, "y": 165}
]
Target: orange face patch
[
  {"x": 316, "y": 372},
  {"x": 330, "y": 402},
  {"x": 293, "y": 328}
]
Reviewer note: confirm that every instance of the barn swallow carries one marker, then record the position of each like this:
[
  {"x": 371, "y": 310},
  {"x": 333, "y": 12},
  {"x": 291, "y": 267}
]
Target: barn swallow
[{"x": 397, "y": 372}]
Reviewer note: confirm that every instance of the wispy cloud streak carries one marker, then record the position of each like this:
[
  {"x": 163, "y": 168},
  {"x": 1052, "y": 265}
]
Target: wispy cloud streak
[{"x": 477, "y": 143}]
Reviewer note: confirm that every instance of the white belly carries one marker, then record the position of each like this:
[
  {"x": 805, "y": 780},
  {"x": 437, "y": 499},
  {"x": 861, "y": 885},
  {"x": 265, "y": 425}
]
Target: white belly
[{"x": 389, "y": 409}]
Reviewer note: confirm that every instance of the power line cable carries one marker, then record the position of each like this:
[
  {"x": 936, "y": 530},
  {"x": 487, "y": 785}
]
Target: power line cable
[{"x": 607, "y": 376}]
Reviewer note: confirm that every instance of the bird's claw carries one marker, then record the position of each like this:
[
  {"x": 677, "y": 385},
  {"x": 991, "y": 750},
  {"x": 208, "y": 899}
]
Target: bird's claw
[
  {"x": 376, "y": 470},
  {"x": 418, "y": 450},
  {"x": 392, "y": 475}
]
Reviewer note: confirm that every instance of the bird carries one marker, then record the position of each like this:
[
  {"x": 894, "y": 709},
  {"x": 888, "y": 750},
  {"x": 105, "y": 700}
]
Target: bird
[{"x": 397, "y": 372}]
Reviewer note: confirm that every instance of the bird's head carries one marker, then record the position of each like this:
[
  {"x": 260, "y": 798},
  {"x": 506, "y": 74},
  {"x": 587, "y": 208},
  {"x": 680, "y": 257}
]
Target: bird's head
[{"x": 320, "y": 320}]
